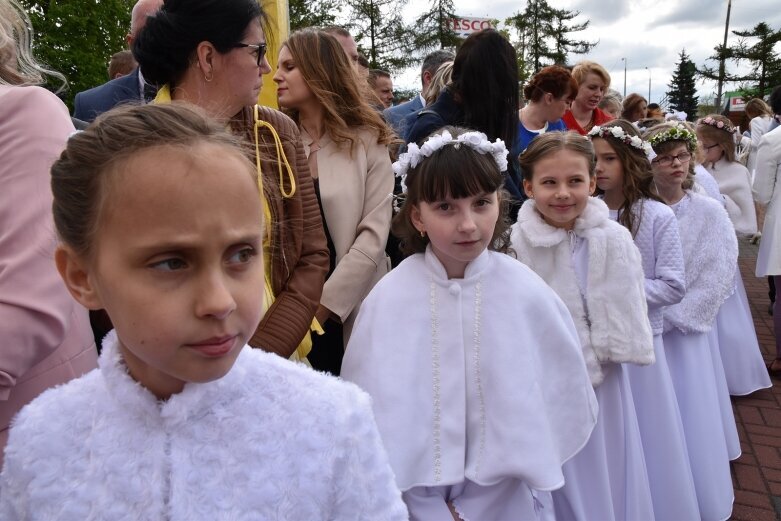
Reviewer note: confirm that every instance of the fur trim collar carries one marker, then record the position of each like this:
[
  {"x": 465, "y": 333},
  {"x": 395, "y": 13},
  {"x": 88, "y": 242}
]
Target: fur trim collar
[{"x": 542, "y": 234}]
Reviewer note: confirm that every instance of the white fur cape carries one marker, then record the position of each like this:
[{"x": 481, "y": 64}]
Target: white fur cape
[
  {"x": 710, "y": 252},
  {"x": 735, "y": 187},
  {"x": 613, "y": 325},
  {"x": 271, "y": 440},
  {"x": 479, "y": 378}
]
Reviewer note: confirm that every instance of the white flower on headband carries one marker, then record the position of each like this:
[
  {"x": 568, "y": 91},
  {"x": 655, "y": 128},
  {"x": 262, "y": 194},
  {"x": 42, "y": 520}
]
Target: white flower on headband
[
  {"x": 619, "y": 134},
  {"x": 474, "y": 140}
]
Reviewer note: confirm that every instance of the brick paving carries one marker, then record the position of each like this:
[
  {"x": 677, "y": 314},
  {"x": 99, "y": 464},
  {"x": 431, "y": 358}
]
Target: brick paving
[{"x": 756, "y": 475}]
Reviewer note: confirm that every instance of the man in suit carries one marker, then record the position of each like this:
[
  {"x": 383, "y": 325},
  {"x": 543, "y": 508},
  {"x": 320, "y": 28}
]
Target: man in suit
[
  {"x": 395, "y": 115},
  {"x": 131, "y": 88}
]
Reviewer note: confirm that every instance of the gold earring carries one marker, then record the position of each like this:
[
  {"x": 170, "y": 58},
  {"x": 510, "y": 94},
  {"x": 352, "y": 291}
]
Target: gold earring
[
  {"x": 208, "y": 77},
  {"x": 423, "y": 234}
]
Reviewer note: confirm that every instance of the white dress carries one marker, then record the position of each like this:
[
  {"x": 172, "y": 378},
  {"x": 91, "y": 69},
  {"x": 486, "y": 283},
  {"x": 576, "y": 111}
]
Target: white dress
[
  {"x": 478, "y": 384},
  {"x": 734, "y": 334},
  {"x": 736, "y": 341},
  {"x": 607, "y": 480},
  {"x": 710, "y": 253},
  {"x": 661, "y": 428},
  {"x": 239, "y": 448}
]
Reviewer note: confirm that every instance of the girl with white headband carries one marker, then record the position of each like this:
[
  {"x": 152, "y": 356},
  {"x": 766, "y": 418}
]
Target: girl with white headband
[{"x": 479, "y": 387}]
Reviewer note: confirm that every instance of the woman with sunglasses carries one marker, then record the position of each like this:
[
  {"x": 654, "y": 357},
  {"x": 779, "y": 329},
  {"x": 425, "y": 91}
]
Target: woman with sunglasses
[
  {"x": 346, "y": 142},
  {"x": 212, "y": 53}
]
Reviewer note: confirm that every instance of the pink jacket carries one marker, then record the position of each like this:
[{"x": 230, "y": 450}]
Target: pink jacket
[{"x": 45, "y": 336}]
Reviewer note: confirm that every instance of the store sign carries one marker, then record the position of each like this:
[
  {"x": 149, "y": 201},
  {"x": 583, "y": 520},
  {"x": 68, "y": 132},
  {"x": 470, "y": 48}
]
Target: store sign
[
  {"x": 464, "y": 26},
  {"x": 737, "y": 104}
]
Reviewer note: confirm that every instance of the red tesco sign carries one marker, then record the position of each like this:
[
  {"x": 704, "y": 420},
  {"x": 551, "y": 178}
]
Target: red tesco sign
[{"x": 464, "y": 26}]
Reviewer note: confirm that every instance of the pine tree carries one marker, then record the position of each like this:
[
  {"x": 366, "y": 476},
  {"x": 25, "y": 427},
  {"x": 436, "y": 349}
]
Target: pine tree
[
  {"x": 543, "y": 35},
  {"x": 313, "y": 13},
  {"x": 764, "y": 61},
  {"x": 432, "y": 30},
  {"x": 381, "y": 33},
  {"x": 681, "y": 89}
]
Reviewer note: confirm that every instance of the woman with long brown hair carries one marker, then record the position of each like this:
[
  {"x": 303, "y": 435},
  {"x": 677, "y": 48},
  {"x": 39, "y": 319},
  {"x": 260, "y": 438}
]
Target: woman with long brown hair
[{"x": 346, "y": 142}]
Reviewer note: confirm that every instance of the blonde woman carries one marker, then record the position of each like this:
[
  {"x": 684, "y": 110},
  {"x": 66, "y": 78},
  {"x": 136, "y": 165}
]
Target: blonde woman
[{"x": 346, "y": 142}]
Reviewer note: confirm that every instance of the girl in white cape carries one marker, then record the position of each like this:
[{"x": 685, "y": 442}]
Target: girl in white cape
[
  {"x": 568, "y": 239},
  {"x": 479, "y": 386},
  {"x": 710, "y": 252},
  {"x": 160, "y": 218},
  {"x": 625, "y": 181}
]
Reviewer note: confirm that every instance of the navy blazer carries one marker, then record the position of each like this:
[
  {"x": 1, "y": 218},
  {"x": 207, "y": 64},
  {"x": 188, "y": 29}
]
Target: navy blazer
[
  {"x": 91, "y": 103},
  {"x": 395, "y": 116}
]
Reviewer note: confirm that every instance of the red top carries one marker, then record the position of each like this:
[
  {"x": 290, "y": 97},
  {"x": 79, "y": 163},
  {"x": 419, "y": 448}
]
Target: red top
[{"x": 599, "y": 118}]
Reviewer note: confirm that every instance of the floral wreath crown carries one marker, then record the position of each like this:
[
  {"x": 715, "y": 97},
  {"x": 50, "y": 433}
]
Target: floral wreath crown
[
  {"x": 618, "y": 133},
  {"x": 474, "y": 140},
  {"x": 676, "y": 133},
  {"x": 727, "y": 127}
]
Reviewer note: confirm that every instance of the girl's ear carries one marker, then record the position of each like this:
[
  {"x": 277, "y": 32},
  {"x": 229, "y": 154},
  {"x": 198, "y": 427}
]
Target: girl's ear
[
  {"x": 75, "y": 274},
  {"x": 414, "y": 215},
  {"x": 527, "y": 188},
  {"x": 592, "y": 184},
  {"x": 548, "y": 97}
]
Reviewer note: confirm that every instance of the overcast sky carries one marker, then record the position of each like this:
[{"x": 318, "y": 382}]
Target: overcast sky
[{"x": 648, "y": 33}]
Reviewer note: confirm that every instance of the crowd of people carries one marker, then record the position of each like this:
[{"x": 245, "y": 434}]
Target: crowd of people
[{"x": 472, "y": 305}]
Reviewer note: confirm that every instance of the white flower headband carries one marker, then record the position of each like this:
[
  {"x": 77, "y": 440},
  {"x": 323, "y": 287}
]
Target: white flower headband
[
  {"x": 474, "y": 140},
  {"x": 619, "y": 134}
]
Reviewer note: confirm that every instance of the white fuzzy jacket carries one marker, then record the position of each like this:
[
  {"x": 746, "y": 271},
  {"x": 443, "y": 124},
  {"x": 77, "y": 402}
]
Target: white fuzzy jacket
[
  {"x": 735, "y": 187},
  {"x": 710, "y": 251},
  {"x": 659, "y": 243},
  {"x": 271, "y": 440},
  {"x": 613, "y": 324}
]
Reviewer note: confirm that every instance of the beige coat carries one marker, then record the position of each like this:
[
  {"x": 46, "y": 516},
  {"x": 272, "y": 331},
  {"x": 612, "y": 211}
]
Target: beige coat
[
  {"x": 356, "y": 193},
  {"x": 45, "y": 336},
  {"x": 767, "y": 190}
]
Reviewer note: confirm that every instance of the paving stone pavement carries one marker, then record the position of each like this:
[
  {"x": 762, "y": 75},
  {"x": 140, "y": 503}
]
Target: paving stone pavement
[{"x": 756, "y": 475}]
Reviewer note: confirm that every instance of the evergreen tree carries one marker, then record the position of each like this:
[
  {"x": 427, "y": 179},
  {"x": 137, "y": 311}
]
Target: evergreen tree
[
  {"x": 78, "y": 37},
  {"x": 681, "y": 89},
  {"x": 381, "y": 34},
  {"x": 314, "y": 13},
  {"x": 432, "y": 30},
  {"x": 765, "y": 63},
  {"x": 544, "y": 35}
]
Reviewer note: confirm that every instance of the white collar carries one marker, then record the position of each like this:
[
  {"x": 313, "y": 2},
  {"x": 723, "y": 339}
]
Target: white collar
[
  {"x": 194, "y": 400},
  {"x": 471, "y": 273},
  {"x": 540, "y": 233}
]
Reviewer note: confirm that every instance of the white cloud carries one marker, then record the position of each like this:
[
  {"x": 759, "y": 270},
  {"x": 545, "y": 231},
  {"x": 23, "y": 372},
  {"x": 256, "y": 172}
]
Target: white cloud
[{"x": 648, "y": 33}]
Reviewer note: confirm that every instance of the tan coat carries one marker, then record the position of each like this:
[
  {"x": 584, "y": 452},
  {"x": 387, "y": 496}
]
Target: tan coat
[
  {"x": 356, "y": 193},
  {"x": 45, "y": 336}
]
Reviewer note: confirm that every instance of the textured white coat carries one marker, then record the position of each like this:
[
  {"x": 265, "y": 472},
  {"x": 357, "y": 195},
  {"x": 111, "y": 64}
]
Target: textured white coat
[{"x": 271, "y": 440}]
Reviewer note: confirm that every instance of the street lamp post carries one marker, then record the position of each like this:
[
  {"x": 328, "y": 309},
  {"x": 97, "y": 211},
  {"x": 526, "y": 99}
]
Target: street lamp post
[
  {"x": 649, "y": 84},
  {"x": 624, "y": 59}
]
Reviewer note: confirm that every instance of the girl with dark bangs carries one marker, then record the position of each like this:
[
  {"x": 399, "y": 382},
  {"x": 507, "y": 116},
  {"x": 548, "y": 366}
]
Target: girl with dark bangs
[{"x": 478, "y": 384}]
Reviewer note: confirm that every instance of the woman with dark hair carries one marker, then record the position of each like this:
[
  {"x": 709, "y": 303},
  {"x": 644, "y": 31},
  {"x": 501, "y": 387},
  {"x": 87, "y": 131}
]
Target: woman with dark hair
[
  {"x": 346, "y": 142},
  {"x": 213, "y": 53},
  {"x": 483, "y": 96},
  {"x": 548, "y": 95},
  {"x": 584, "y": 113}
]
